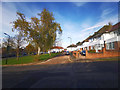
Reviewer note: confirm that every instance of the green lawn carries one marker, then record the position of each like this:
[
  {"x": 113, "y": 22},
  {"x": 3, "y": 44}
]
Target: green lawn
[
  {"x": 47, "y": 56},
  {"x": 28, "y": 59}
]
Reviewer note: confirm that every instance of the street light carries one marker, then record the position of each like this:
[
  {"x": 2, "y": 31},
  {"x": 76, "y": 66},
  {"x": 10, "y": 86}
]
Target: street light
[
  {"x": 70, "y": 42},
  {"x": 7, "y": 45}
]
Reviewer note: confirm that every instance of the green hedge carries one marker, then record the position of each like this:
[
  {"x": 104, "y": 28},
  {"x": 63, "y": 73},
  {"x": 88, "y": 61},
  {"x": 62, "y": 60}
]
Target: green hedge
[{"x": 92, "y": 51}]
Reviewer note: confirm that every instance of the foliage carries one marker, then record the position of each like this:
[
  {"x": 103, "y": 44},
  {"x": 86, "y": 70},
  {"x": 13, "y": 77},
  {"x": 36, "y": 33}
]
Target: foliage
[
  {"x": 42, "y": 32},
  {"x": 30, "y": 48},
  {"x": 18, "y": 40},
  {"x": 8, "y": 48},
  {"x": 91, "y": 51},
  {"x": 8, "y": 41}
]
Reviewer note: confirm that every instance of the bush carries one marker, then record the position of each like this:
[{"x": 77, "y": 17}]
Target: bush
[{"x": 92, "y": 51}]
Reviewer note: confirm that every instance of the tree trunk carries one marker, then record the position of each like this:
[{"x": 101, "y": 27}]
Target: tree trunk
[
  {"x": 38, "y": 50},
  {"x": 49, "y": 53},
  {"x": 18, "y": 54}
]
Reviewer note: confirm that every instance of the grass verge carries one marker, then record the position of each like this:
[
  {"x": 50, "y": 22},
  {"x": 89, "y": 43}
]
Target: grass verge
[{"x": 27, "y": 59}]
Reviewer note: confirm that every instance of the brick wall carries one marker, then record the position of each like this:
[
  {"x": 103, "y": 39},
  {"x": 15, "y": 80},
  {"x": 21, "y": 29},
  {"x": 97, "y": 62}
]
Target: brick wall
[
  {"x": 105, "y": 53},
  {"x": 102, "y": 54}
]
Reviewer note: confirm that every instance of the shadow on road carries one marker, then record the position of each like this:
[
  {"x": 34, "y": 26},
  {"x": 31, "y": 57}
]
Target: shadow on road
[{"x": 66, "y": 75}]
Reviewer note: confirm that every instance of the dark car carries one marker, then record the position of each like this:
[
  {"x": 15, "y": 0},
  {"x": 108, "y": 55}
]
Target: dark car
[
  {"x": 67, "y": 53},
  {"x": 83, "y": 53}
]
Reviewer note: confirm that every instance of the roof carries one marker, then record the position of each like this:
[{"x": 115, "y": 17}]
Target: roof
[
  {"x": 115, "y": 27},
  {"x": 72, "y": 46},
  {"x": 104, "y": 29},
  {"x": 57, "y": 47},
  {"x": 86, "y": 40}
]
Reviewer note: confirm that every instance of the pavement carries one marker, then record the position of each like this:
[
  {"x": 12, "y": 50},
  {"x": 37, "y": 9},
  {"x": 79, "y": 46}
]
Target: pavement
[{"x": 61, "y": 72}]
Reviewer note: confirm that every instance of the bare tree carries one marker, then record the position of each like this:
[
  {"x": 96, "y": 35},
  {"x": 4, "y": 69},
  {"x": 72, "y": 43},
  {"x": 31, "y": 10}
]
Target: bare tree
[{"x": 19, "y": 40}]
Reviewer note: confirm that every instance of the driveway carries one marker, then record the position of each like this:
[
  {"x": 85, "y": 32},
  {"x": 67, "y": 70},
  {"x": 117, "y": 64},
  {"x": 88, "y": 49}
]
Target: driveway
[{"x": 60, "y": 72}]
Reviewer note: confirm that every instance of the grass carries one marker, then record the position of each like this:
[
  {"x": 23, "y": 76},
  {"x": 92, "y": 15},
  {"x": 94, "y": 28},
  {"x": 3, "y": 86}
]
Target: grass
[
  {"x": 108, "y": 59},
  {"x": 27, "y": 59},
  {"x": 47, "y": 56}
]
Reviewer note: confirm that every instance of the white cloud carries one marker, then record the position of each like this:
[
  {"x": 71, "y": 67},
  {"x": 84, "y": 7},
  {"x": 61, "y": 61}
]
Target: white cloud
[
  {"x": 79, "y": 32},
  {"x": 8, "y": 15},
  {"x": 106, "y": 12},
  {"x": 79, "y": 4}
]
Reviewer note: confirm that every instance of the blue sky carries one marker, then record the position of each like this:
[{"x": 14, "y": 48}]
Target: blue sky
[{"x": 78, "y": 20}]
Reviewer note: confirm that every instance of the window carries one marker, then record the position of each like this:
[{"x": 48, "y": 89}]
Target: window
[
  {"x": 110, "y": 45},
  {"x": 91, "y": 47},
  {"x": 107, "y": 46}
]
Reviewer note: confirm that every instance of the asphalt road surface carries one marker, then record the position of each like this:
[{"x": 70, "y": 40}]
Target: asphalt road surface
[{"x": 63, "y": 74}]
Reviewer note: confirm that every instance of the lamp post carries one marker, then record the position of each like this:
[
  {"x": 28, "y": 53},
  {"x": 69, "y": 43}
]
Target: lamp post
[
  {"x": 70, "y": 42},
  {"x": 7, "y": 45}
]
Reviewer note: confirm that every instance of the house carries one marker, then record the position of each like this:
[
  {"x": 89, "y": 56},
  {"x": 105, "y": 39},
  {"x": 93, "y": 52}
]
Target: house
[
  {"x": 56, "y": 49},
  {"x": 109, "y": 35},
  {"x": 72, "y": 48}
]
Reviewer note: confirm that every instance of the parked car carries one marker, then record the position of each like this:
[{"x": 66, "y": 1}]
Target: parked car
[
  {"x": 67, "y": 53},
  {"x": 83, "y": 53}
]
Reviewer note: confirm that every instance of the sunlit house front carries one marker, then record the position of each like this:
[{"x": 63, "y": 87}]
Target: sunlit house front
[{"x": 109, "y": 35}]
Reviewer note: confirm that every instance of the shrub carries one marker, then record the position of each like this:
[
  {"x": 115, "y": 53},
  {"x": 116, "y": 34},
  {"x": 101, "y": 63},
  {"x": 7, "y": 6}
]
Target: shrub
[{"x": 92, "y": 51}]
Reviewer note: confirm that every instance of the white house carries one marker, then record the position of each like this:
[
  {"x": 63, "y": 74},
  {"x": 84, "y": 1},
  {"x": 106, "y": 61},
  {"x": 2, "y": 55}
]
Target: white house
[
  {"x": 110, "y": 37},
  {"x": 56, "y": 49},
  {"x": 72, "y": 47}
]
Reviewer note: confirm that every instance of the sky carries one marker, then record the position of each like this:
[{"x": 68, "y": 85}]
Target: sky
[{"x": 78, "y": 20}]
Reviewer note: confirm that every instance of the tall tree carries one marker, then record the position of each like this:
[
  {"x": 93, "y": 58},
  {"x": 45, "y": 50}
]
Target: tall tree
[{"x": 40, "y": 31}]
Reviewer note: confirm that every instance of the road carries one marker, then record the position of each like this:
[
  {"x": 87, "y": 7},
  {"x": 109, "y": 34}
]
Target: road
[{"x": 62, "y": 74}]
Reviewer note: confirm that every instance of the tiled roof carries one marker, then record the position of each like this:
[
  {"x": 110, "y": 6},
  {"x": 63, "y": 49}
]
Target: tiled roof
[
  {"x": 57, "y": 47},
  {"x": 115, "y": 27},
  {"x": 104, "y": 29},
  {"x": 72, "y": 46}
]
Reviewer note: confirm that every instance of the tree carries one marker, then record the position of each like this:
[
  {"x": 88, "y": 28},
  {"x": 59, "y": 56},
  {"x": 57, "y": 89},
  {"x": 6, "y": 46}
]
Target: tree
[
  {"x": 42, "y": 32},
  {"x": 18, "y": 39},
  {"x": 7, "y": 47},
  {"x": 5, "y": 42},
  {"x": 30, "y": 48}
]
